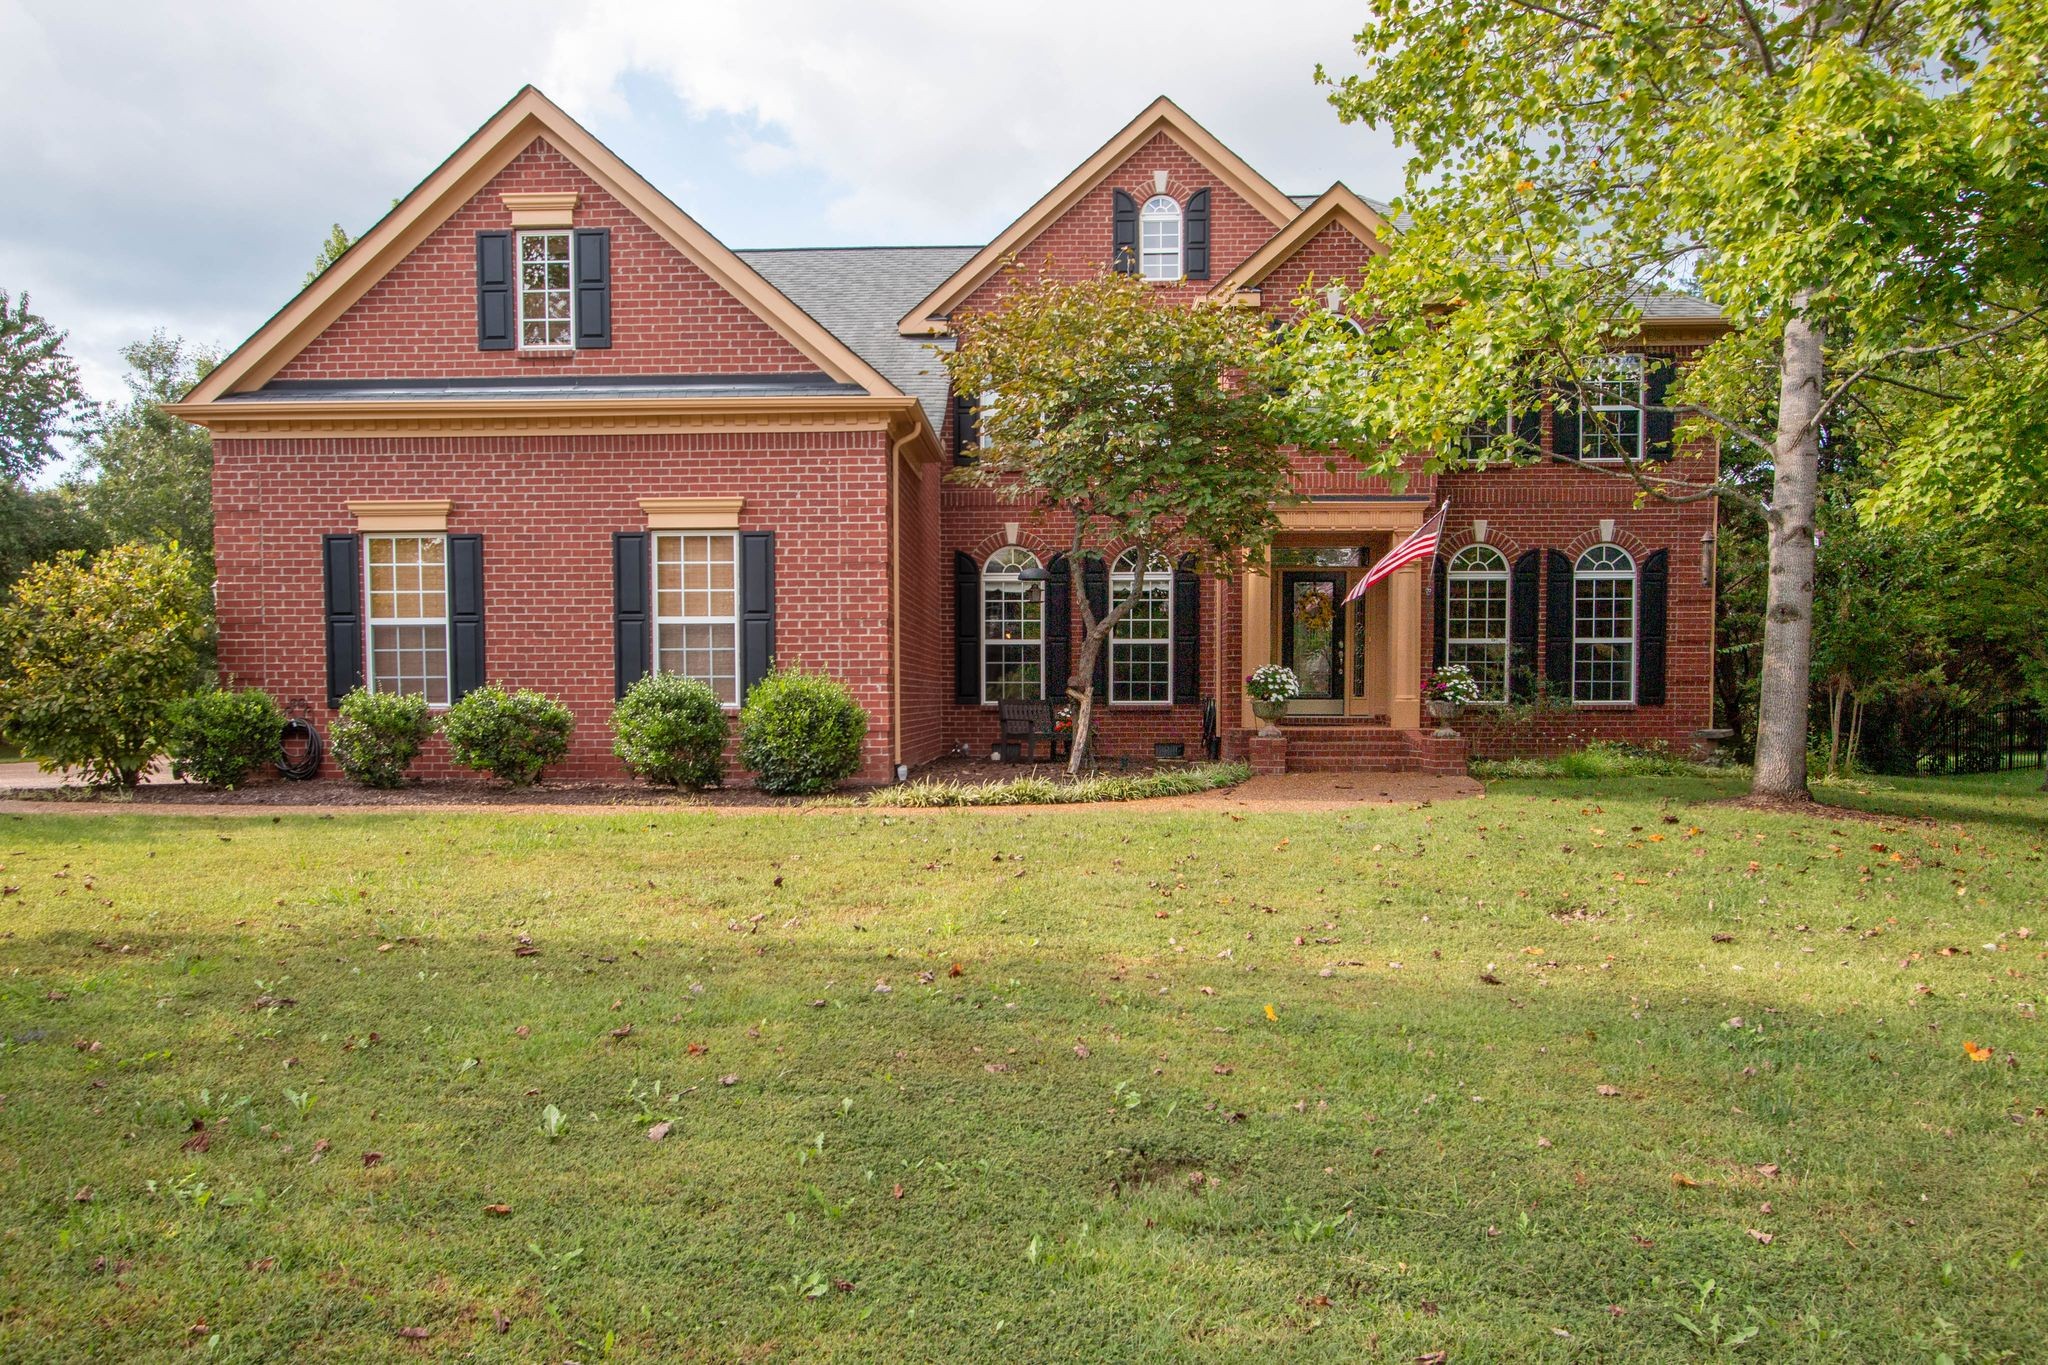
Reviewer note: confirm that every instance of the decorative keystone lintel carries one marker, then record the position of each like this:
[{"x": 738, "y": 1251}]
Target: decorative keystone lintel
[
  {"x": 428, "y": 514},
  {"x": 535, "y": 210},
  {"x": 692, "y": 514}
]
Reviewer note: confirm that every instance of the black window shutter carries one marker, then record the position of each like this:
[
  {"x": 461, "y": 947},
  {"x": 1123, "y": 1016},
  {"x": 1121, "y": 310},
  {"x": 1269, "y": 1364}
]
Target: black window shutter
[
  {"x": 1195, "y": 225},
  {"x": 1095, "y": 587},
  {"x": 1059, "y": 628},
  {"x": 630, "y": 617},
  {"x": 590, "y": 255},
  {"x": 1441, "y": 587},
  {"x": 1564, "y": 424},
  {"x": 1525, "y": 607},
  {"x": 1654, "y": 583},
  {"x": 966, "y": 429},
  {"x": 465, "y": 615},
  {"x": 1557, "y": 622},
  {"x": 341, "y": 562},
  {"x": 1187, "y": 631},
  {"x": 966, "y": 629},
  {"x": 494, "y": 315},
  {"x": 757, "y": 608},
  {"x": 1124, "y": 244},
  {"x": 1659, "y": 422}
]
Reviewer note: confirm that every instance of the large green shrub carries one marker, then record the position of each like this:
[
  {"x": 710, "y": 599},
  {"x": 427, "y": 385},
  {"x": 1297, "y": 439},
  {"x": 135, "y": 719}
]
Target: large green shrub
[
  {"x": 93, "y": 653},
  {"x": 378, "y": 734},
  {"x": 671, "y": 730},
  {"x": 219, "y": 738},
  {"x": 513, "y": 736},
  {"x": 801, "y": 732}
]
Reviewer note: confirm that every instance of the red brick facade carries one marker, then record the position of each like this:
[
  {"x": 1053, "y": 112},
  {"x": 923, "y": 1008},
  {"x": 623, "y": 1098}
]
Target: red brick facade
[
  {"x": 866, "y": 524},
  {"x": 668, "y": 316}
]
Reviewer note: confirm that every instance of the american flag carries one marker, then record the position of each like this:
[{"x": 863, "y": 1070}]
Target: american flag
[{"x": 1420, "y": 545}]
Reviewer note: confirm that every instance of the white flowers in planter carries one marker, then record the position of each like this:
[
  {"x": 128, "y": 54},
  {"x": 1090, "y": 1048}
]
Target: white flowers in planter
[{"x": 1273, "y": 682}]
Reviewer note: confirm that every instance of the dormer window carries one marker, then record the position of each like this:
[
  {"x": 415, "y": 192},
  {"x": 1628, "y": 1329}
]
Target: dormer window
[
  {"x": 1159, "y": 238},
  {"x": 546, "y": 299}
]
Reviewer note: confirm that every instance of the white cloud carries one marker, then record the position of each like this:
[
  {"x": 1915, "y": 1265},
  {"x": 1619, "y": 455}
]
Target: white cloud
[{"x": 177, "y": 166}]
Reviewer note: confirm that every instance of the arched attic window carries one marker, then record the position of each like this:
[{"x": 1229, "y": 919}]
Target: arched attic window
[{"x": 1159, "y": 238}]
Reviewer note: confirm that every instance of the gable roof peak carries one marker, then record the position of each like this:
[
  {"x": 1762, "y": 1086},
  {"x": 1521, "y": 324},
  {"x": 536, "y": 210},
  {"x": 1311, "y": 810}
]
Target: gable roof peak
[
  {"x": 529, "y": 114},
  {"x": 1161, "y": 115}
]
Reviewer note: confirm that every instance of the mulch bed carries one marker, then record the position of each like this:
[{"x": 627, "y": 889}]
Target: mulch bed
[
  {"x": 340, "y": 792},
  {"x": 1815, "y": 810}
]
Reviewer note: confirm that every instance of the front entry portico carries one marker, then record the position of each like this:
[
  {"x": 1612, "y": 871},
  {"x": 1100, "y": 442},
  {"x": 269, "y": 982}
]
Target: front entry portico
[{"x": 1361, "y": 660}]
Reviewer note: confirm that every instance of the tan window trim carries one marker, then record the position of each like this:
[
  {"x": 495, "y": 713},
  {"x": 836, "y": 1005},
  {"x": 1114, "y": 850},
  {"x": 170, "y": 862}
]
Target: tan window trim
[
  {"x": 551, "y": 210},
  {"x": 692, "y": 514},
  {"x": 425, "y": 515}
]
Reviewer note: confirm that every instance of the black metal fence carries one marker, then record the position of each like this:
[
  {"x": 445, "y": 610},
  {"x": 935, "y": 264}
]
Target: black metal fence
[{"x": 1928, "y": 733}]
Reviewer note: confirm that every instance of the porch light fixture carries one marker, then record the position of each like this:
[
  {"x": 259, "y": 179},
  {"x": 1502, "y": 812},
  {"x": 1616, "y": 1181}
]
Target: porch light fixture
[
  {"x": 1707, "y": 556},
  {"x": 1035, "y": 578}
]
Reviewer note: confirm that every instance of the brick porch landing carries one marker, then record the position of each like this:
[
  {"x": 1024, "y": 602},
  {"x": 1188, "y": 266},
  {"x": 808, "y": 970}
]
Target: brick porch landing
[{"x": 1337, "y": 745}]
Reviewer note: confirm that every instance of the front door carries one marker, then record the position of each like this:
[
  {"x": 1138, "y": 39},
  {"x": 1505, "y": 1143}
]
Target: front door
[{"x": 1312, "y": 637}]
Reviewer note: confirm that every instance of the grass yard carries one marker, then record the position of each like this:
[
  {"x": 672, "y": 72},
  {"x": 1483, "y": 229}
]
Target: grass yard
[{"x": 1575, "y": 1071}]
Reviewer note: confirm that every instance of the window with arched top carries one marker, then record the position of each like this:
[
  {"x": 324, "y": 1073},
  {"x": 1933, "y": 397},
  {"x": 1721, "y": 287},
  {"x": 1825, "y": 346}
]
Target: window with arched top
[
  {"x": 1141, "y": 645},
  {"x": 1476, "y": 618},
  {"x": 1159, "y": 238},
  {"x": 1012, "y": 628},
  {"x": 1604, "y": 626}
]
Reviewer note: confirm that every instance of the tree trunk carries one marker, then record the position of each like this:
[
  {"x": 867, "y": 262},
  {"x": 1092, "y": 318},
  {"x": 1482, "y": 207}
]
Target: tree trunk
[
  {"x": 1838, "y": 692},
  {"x": 1786, "y": 687},
  {"x": 1081, "y": 691}
]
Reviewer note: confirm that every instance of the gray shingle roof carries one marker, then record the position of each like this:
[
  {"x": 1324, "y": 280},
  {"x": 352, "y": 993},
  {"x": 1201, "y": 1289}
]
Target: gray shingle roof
[{"x": 860, "y": 293}]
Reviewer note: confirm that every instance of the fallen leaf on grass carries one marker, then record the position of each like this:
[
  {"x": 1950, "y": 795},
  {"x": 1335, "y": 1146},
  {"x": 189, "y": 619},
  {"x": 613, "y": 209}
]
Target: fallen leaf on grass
[
  {"x": 1768, "y": 1169},
  {"x": 498, "y": 1210},
  {"x": 84, "y": 1195},
  {"x": 1763, "y": 1238},
  {"x": 263, "y": 1266},
  {"x": 201, "y": 1138},
  {"x": 1608, "y": 1091},
  {"x": 372, "y": 1159},
  {"x": 659, "y": 1131},
  {"x": 696, "y": 1049},
  {"x": 731, "y": 1078},
  {"x": 1271, "y": 1016},
  {"x": 1976, "y": 1053},
  {"x": 896, "y": 1193},
  {"x": 1684, "y": 1181},
  {"x": 414, "y": 1333},
  {"x": 956, "y": 970},
  {"x": 623, "y": 1031},
  {"x": 1433, "y": 1358},
  {"x": 1490, "y": 979},
  {"x": 1081, "y": 1051}
]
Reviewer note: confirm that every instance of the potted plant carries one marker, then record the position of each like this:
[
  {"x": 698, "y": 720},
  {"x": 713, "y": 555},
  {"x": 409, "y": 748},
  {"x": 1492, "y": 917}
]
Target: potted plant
[
  {"x": 1270, "y": 689},
  {"x": 1448, "y": 692}
]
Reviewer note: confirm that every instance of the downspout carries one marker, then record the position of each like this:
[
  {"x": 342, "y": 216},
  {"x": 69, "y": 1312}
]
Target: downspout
[{"x": 896, "y": 600}]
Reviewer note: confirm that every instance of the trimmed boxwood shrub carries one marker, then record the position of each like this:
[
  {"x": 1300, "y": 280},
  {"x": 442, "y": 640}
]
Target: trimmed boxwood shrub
[
  {"x": 512, "y": 736},
  {"x": 801, "y": 732},
  {"x": 219, "y": 738},
  {"x": 671, "y": 730},
  {"x": 378, "y": 734}
]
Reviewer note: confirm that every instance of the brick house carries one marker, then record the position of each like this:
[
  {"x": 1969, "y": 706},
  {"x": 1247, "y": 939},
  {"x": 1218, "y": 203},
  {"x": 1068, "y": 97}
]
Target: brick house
[{"x": 539, "y": 427}]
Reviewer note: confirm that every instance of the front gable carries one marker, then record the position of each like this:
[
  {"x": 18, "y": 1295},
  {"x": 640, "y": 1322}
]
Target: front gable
[
  {"x": 668, "y": 316},
  {"x": 1333, "y": 241},
  {"x": 1069, "y": 231},
  {"x": 402, "y": 303}
]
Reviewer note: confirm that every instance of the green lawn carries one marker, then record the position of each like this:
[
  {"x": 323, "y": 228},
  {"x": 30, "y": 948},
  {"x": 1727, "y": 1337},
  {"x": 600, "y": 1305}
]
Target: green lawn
[{"x": 1142, "y": 1085}]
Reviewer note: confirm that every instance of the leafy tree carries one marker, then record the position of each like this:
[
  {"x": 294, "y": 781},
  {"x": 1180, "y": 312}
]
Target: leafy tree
[
  {"x": 330, "y": 252},
  {"x": 36, "y": 523},
  {"x": 93, "y": 653},
  {"x": 38, "y": 388},
  {"x": 1145, "y": 423},
  {"x": 145, "y": 475},
  {"x": 1860, "y": 187}
]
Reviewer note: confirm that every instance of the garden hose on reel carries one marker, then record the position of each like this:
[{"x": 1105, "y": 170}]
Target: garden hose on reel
[{"x": 307, "y": 766}]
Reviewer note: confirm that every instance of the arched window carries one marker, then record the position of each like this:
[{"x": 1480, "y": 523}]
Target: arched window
[
  {"x": 1476, "y": 618},
  {"x": 1159, "y": 238},
  {"x": 1141, "y": 645},
  {"x": 1012, "y": 629},
  {"x": 1604, "y": 626}
]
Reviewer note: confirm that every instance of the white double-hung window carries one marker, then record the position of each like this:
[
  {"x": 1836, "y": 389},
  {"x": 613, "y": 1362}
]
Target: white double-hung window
[
  {"x": 547, "y": 300},
  {"x": 1012, "y": 628},
  {"x": 1604, "y": 626},
  {"x": 1611, "y": 422},
  {"x": 1476, "y": 618},
  {"x": 1141, "y": 644},
  {"x": 407, "y": 577},
  {"x": 1159, "y": 238},
  {"x": 697, "y": 609}
]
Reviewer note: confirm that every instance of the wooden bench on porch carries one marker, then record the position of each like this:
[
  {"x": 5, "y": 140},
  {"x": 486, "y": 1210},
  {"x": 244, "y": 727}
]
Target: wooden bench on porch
[{"x": 1026, "y": 723}]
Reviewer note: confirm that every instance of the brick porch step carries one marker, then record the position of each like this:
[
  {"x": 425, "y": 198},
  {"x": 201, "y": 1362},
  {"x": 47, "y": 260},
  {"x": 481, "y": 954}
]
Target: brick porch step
[{"x": 1319, "y": 746}]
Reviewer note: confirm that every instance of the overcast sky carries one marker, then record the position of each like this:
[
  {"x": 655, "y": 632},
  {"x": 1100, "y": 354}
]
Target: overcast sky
[{"x": 177, "y": 166}]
